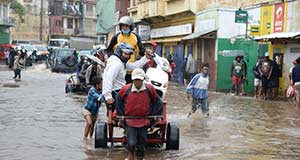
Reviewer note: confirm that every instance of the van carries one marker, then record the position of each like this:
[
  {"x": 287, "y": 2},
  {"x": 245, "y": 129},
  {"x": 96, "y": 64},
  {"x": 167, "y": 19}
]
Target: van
[{"x": 58, "y": 43}]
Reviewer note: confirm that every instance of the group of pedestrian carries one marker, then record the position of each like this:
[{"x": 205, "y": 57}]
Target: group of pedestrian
[
  {"x": 119, "y": 71},
  {"x": 266, "y": 81},
  {"x": 86, "y": 69}
]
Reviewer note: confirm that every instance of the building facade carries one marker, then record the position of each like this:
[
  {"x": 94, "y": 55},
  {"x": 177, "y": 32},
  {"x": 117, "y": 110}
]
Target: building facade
[
  {"x": 72, "y": 18},
  {"x": 279, "y": 34},
  {"x": 175, "y": 26},
  {"x": 34, "y": 24},
  {"x": 5, "y": 22}
]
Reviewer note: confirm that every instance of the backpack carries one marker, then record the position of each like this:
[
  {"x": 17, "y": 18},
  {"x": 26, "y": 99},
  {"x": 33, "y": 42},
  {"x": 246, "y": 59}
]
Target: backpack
[{"x": 156, "y": 107}]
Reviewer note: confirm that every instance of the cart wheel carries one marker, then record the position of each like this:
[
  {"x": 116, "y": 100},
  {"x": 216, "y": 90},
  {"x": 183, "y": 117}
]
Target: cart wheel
[
  {"x": 172, "y": 137},
  {"x": 101, "y": 135}
]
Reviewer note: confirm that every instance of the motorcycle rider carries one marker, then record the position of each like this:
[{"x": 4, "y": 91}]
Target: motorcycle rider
[{"x": 126, "y": 35}]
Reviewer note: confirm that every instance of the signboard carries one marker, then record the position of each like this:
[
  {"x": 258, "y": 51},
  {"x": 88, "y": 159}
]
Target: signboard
[
  {"x": 172, "y": 31},
  {"x": 241, "y": 16},
  {"x": 279, "y": 12},
  {"x": 254, "y": 30},
  {"x": 205, "y": 25},
  {"x": 144, "y": 32},
  {"x": 266, "y": 19}
]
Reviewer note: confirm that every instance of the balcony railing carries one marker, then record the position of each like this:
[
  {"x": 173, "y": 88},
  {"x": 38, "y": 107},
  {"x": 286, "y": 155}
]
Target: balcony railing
[{"x": 7, "y": 21}]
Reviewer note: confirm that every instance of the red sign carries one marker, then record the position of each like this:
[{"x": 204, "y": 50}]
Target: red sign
[{"x": 279, "y": 12}]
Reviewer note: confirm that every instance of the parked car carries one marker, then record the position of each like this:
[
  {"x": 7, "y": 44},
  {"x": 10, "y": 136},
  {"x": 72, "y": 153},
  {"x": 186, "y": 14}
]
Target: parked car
[
  {"x": 85, "y": 52},
  {"x": 58, "y": 43},
  {"x": 41, "y": 52},
  {"x": 63, "y": 60},
  {"x": 20, "y": 42}
]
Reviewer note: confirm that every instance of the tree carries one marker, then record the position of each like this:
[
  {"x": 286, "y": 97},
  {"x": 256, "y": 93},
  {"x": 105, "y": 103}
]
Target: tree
[{"x": 18, "y": 8}]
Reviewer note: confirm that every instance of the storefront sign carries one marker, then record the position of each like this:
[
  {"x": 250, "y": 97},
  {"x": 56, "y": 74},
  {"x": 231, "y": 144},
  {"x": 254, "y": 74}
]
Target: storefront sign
[
  {"x": 254, "y": 30},
  {"x": 279, "y": 12},
  {"x": 171, "y": 31},
  {"x": 144, "y": 32},
  {"x": 241, "y": 16}
]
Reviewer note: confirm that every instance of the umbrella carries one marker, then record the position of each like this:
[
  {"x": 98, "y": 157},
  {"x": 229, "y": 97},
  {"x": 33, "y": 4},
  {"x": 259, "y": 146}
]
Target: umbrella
[{"x": 95, "y": 59}]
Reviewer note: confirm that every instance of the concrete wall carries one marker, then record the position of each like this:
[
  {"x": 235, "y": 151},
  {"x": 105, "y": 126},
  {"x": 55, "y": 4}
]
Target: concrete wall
[
  {"x": 89, "y": 27},
  {"x": 30, "y": 29}
]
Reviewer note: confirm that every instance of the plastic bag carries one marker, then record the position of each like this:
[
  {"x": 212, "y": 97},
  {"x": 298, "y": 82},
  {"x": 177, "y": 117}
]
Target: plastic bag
[{"x": 290, "y": 92}]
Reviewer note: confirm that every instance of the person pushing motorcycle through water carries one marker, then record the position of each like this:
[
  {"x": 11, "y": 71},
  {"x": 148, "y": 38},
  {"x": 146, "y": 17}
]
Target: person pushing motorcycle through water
[{"x": 114, "y": 74}]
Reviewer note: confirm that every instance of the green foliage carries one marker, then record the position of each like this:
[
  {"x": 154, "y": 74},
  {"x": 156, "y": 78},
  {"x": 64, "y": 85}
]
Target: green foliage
[{"x": 18, "y": 8}]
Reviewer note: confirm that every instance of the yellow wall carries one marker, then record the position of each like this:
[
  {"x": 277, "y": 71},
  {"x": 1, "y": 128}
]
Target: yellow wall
[
  {"x": 266, "y": 17},
  {"x": 271, "y": 53}
]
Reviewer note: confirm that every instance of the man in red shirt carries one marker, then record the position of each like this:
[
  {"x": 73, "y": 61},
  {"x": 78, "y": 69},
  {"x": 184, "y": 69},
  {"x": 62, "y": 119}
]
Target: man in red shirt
[{"x": 137, "y": 100}]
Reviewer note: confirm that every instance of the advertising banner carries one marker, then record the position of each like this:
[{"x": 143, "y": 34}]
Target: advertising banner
[
  {"x": 279, "y": 15},
  {"x": 144, "y": 32}
]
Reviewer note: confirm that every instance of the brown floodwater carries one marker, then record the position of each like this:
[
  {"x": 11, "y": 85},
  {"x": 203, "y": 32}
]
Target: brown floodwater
[{"x": 39, "y": 121}]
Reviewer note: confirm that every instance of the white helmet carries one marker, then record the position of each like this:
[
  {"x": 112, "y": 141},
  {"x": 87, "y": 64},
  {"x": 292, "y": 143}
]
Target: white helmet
[
  {"x": 127, "y": 20},
  {"x": 19, "y": 48},
  {"x": 267, "y": 54}
]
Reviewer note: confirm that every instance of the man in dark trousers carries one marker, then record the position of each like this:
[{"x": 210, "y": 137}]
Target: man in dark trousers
[{"x": 137, "y": 100}]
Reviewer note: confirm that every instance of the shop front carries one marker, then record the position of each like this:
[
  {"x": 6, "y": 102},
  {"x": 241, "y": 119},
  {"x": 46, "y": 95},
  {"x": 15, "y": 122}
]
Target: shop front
[{"x": 283, "y": 49}]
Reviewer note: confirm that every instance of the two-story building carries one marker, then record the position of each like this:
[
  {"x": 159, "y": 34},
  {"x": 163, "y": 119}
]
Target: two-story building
[{"x": 5, "y": 22}]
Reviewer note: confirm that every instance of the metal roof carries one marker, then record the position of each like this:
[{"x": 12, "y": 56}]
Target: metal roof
[
  {"x": 198, "y": 34},
  {"x": 280, "y": 35}
]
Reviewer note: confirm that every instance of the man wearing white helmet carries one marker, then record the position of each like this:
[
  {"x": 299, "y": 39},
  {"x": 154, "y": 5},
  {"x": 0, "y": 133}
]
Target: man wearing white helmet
[{"x": 127, "y": 36}]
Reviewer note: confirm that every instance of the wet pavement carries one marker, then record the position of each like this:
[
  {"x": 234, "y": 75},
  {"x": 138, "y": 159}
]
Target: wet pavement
[{"x": 39, "y": 121}]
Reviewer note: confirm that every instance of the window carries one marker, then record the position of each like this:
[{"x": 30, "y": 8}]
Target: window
[
  {"x": 58, "y": 23},
  {"x": 89, "y": 7},
  {"x": 295, "y": 50},
  {"x": 70, "y": 23},
  {"x": 5, "y": 10}
]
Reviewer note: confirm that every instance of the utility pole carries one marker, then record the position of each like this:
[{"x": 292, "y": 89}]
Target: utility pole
[{"x": 41, "y": 20}]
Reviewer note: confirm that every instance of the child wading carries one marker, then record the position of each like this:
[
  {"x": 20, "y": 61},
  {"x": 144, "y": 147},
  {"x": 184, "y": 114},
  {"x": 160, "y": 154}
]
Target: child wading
[
  {"x": 93, "y": 103},
  {"x": 198, "y": 87}
]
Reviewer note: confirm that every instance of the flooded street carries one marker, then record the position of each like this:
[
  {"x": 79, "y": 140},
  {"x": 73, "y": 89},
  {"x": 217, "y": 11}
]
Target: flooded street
[{"x": 39, "y": 121}]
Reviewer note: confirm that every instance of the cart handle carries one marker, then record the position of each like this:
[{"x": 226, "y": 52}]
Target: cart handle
[{"x": 139, "y": 117}]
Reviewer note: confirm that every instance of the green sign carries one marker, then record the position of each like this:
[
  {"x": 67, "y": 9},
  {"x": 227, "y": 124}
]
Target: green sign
[{"x": 241, "y": 16}]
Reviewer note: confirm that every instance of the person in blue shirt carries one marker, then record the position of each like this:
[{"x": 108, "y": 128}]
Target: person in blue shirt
[
  {"x": 198, "y": 88},
  {"x": 296, "y": 81},
  {"x": 93, "y": 103}
]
